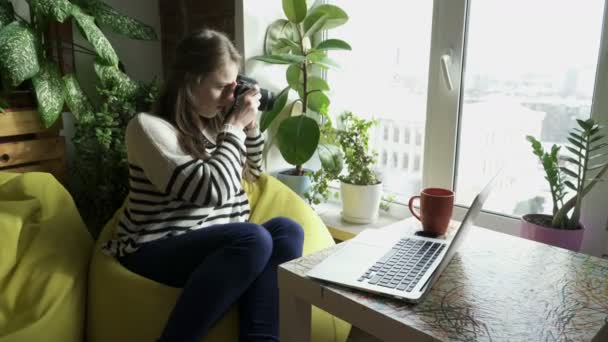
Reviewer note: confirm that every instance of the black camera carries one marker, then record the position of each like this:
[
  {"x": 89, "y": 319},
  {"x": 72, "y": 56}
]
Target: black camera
[{"x": 244, "y": 83}]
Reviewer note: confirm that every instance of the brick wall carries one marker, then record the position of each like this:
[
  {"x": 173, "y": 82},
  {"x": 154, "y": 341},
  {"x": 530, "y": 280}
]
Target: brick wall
[{"x": 178, "y": 17}]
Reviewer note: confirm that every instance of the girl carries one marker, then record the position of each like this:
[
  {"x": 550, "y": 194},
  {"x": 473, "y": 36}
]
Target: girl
[{"x": 185, "y": 222}]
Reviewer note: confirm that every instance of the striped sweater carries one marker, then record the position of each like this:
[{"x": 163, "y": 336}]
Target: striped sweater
[{"x": 172, "y": 193}]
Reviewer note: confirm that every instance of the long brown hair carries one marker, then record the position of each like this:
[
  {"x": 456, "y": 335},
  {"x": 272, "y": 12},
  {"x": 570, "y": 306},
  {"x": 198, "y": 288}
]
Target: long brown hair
[{"x": 198, "y": 54}]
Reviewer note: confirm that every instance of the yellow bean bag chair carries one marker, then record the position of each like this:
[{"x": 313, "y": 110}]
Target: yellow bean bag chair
[
  {"x": 124, "y": 306},
  {"x": 45, "y": 250}
]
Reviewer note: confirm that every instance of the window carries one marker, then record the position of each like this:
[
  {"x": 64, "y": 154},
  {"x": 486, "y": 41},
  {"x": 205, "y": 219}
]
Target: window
[
  {"x": 463, "y": 82},
  {"x": 406, "y": 135},
  {"x": 540, "y": 82},
  {"x": 392, "y": 85}
]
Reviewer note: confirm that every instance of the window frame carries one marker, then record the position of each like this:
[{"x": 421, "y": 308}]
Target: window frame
[{"x": 439, "y": 158}]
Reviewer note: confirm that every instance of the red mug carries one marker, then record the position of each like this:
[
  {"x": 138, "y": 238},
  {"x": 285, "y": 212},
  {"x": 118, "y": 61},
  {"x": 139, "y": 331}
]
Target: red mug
[{"x": 436, "y": 206}]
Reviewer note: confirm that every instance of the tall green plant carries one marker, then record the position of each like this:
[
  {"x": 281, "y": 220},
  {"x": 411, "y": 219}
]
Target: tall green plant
[
  {"x": 292, "y": 42},
  {"x": 100, "y": 166},
  {"x": 24, "y": 48},
  {"x": 586, "y": 166}
]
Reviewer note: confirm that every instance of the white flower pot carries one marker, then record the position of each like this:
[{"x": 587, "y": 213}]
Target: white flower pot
[{"x": 360, "y": 203}]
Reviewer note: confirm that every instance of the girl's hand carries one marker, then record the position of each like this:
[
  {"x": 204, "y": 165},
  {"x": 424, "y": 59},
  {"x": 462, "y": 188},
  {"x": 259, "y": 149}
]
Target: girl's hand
[{"x": 246, "y": 108}]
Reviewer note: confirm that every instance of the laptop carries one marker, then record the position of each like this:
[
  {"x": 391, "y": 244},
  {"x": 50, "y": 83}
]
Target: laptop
[{"x": 388, "y": 263}]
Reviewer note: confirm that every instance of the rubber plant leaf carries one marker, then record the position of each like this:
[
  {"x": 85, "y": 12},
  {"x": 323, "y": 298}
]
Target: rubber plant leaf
[
  {"x": 281, "y": 59},
  {"x": 295, "y": 10},
  {"x": 298, "y": 138},
  {"x": 49, "y": 92},
  {"x": 335, "y": 17},
  {"x": 269, "y": 116},
  {"x": 333, "y": 44},
  {"x": 276, "y": 32},
  {"x": 18, "y": 54}
]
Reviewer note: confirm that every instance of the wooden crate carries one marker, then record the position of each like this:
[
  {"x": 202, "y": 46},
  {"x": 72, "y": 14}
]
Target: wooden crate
[{"x": 25, "y": 145}]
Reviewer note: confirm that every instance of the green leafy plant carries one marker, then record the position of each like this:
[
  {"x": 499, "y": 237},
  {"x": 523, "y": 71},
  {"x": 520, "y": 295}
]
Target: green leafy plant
[
  {"x": 293, "y": 42},
  {"x": 25, "y": 49},
  {"x": 100, "y": 167},
  {"x": 587, "y": 147},
  {"x": 352, "y": 137}
]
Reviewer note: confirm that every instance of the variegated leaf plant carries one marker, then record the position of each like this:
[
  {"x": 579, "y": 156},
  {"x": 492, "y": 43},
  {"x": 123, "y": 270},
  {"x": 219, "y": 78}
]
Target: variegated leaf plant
[{"x": 24, "y": 51}]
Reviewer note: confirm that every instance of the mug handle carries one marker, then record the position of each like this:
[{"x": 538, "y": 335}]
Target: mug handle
[{"x": 411, "y": 205}]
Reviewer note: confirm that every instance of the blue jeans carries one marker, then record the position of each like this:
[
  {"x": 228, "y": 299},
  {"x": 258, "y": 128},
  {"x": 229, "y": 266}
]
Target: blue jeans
[{"x": 218, "y": 266}]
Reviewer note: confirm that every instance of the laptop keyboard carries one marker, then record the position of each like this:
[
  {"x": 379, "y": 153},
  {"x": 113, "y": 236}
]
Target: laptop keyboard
[{"x": 404, "y": 265}]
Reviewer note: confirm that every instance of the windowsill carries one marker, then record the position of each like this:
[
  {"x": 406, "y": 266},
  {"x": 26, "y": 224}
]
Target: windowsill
[{"x": 341, "y": 230}]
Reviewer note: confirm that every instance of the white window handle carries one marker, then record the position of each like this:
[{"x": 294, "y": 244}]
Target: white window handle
[{"x": 446, "y": 62}]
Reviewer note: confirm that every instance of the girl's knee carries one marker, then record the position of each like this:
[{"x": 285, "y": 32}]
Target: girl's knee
[
  {"x": 289, "y": 227},
  {"x": 256, "y": 238}
]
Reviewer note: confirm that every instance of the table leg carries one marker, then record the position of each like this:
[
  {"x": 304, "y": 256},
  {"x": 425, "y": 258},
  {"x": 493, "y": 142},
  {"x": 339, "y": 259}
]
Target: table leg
[{"x": 294, "y": 317}]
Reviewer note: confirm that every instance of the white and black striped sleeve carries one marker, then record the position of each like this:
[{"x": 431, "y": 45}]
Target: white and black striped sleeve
[
  {"x": 254, "y": 145},
  {"x": 153, "y": 145}
]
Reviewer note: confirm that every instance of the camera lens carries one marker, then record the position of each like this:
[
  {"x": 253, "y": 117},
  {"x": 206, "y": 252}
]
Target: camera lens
[
  {"x": 266, "y": 101},
  {"x": 245, "y": 83}
]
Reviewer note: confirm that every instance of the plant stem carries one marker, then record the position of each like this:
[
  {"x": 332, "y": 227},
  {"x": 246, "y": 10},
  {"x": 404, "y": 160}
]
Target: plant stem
[
  {"x": 571, "y": 202},
  {"x": 299, "y": 171},
  {"x": 582, "y": 169}
]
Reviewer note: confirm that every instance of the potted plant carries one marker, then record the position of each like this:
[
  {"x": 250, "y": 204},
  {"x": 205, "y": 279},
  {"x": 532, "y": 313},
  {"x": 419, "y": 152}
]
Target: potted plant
[
  {"x": 26, "y": 49},
  {"x": 360, "y": 188},
  {"x": 294, "y": 42},
  {"x": 584, "y": 168}
]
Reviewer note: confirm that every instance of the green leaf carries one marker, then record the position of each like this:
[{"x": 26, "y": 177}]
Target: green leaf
[
  {"x": 288, "y": 42},
  {"x": 598, "y": 147},
  {"x": 317, "y": 83},
  {"x": 120, "y": 23},
  {"x": 576, "y": 136},
  {"x": 269, "y": 116},
  {"x": 318, "y": 102},
  {"x": 596, "y": 138},
  {"x": 295, "y": 10},
  {"x": 569, "y": 172},
  {"x": 94, "y": 35},
  {"x": 280, "y": 29},
  {"x": 298, "y": 138},
  {"x": 281, "y": 59},
  {"x": 59, "y": 10},
  {"x": 576, "y": 143},
  {"x": 49, "y": 92},
  {"x": 585, "y": 125},
  {"x": 319, "y": 58},
  {"x": 570, "y": 185},
  {"x": 572, "y": 160},
  {"x": 294, "y": 76},
  {"x": 7, "y": 13},
  {"x": 597, "y": 166},
  {"x": 333, "y": 44},
  {"x": 111, "y": 77},
  {"x": 575, "y": 152},
  {"x": 331, "y": 159},
  {"x": 75, "y": 98},
  {"x": 316, "y": 26},
  {"x": 18, "y": 55},
  {"x": 335, "y": 17}
]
